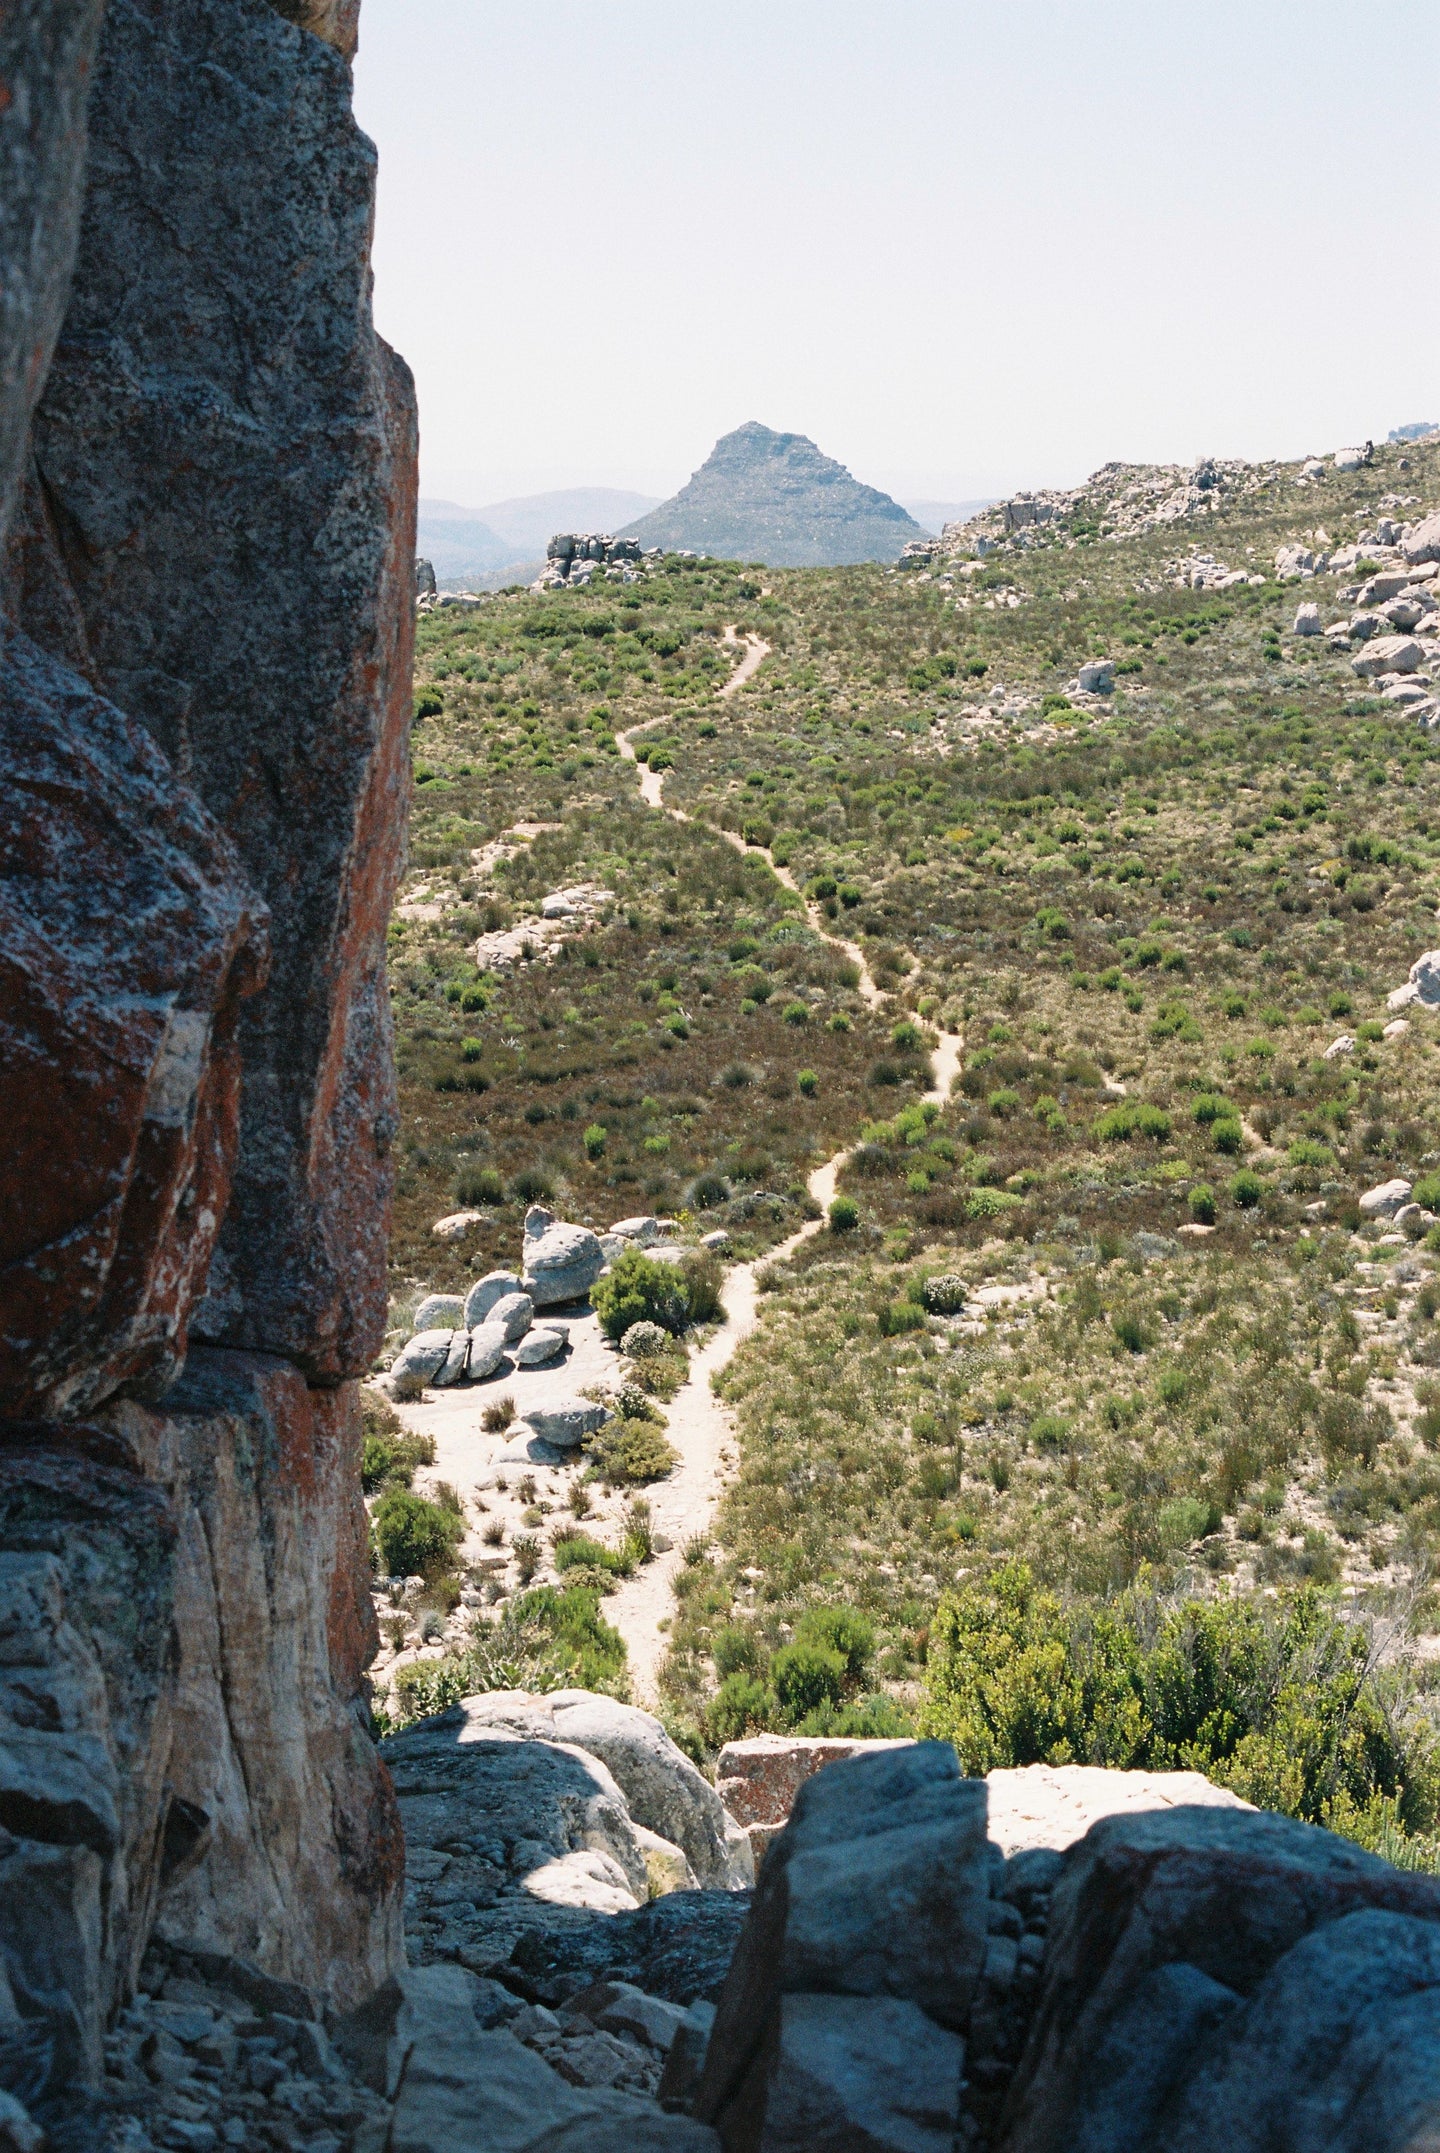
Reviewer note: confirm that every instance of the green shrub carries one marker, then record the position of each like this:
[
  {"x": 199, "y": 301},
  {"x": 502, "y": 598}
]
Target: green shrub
[
  {"x": 844, "y": 1214},
  {"x": 703, "y": 1280},
  {"x": 627, "y": 1453},
  {"x": 805, "y": 1677},
  {"x": 596, "y": 1137},
  {"x": 990, "y": 1203},
  {"x": 1050, "y": 1431},
  {"x": 1185, "y": 1518},
  {"x": 1132, "y": 1117},
  {"x": 478, "y": 1185},
  {"x": 742, "y": 1705},
  {"x": 1202, "y": 1204},
  {"x": 708, "y": 1190},
  {"x": 532, "y": 1185},
  {"x": 1227, "y": 1135},
  {"x": 637, "y": 1290},
  {"x": 1276, "y": 1700},
  {"x": 843, "y": 1631},
  {"x": 1309, "y": 1151},
  {"x": 413, "y": 1537},
  {"x": 895, "y": 1318},
  {"x": 807, "y": 1083},
  {"x": 1246, "y": 1189},
  {"x": 1426, "y": 1192},
  {"x": 945, "y": 1295},
  {"x": 576, "y": 1550},
  {"x": 796, "y": 1013}
]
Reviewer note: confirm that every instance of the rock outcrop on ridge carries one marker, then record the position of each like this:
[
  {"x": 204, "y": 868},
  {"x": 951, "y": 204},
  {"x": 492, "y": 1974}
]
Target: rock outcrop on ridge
[
  {"x": 204, "y": 702},
  {"x": 763, "y": 496}
]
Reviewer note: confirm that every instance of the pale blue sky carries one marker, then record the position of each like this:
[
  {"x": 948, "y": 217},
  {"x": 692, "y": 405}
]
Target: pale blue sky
[{"x": 963, "y": 247}]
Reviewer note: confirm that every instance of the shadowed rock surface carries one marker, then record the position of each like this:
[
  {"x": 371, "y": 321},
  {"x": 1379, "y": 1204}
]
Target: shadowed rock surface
[{"x": 221, "y": 510}]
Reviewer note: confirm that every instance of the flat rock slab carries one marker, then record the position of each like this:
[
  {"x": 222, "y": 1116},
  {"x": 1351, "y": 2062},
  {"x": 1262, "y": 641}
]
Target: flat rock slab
[{"x": 1053, "y": 1805}]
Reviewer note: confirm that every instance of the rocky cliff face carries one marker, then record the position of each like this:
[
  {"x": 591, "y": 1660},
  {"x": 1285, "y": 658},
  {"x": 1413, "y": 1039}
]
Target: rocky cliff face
[{"x": 204, "y": 690}]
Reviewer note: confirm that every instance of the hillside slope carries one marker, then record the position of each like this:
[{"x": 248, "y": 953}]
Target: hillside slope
[{"x": 775, "y": 498}]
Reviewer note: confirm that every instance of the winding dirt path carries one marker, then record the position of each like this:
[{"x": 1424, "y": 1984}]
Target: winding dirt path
[{"x": 683, "y": 1505}]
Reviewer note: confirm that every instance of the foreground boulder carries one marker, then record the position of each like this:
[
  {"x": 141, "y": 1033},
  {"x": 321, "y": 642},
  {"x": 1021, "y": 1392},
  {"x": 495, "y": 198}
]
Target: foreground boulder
[
  {"x": 662, "y": 1788},
  {"x": 1190, "y": 1951}
]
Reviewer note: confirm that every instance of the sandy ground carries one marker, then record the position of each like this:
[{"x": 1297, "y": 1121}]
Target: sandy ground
[{"x": 497, "y": 1480}]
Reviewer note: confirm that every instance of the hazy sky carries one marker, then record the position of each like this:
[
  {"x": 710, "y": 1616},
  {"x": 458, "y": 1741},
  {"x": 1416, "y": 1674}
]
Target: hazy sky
[{"x": 964, "y": 247}]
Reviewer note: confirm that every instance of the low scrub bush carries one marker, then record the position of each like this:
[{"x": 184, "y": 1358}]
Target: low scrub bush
[
  {"x": 413, "y": 1537},
  {"x": 1279, "y": 1701},
  {"x": 636, "y": 1289}
]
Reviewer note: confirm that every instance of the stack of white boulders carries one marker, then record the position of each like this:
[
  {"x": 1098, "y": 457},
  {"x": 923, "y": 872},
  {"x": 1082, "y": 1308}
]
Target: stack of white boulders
[
  {"x": 1396, "y": 622},
  {"x": 469, "y": 1338}
]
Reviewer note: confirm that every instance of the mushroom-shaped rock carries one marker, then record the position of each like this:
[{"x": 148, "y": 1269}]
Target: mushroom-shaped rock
[
  {"x": 568, "y": 1421},
  {"x": 485, "y": 1292},
  {"x": 562, "y": 1262}
]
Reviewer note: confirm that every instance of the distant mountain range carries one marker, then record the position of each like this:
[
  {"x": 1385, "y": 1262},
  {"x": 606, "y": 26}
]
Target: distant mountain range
[
  {"x": 771, "y": 497},
  {"x": 479, "y": 545}
]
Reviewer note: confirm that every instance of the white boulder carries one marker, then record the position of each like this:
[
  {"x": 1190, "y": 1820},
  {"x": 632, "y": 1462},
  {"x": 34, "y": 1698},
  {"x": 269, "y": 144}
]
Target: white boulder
[
  {"x": 440, "y": 1311},
  {"x": 513, "y": 1314},
  {"x": 1349, "y": 459},
  {"x": 1293, "y": 562},
  {"x": 1096, "y": 678},
  {"x": 1345, "y": 1044},
  {"x": 488, "y": 1345},
  {"x": 424, "y": 1356},
  {"x": 641, "y": 1231},
  {"x": 1397, "y": 1030},
  {"x": 1389, "y": 654},
  {"x": 1425, "y": 978},
  {"x": 1307, "y": 620},
  {"x": 456, "y": 1362},
  {"x": 1423, "y": 544},
  {"x": 485, "y": 1292},
  {"x": 544, "y": 1344},
  {"x": 1385, "y": 1199},
  {"x": 457, "y": 1225}
]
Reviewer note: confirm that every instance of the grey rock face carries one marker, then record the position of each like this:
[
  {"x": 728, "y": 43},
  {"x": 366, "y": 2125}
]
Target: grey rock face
[
  {"x": 541, "y": 1346},
  {"x": 874, "y": 2076},
  {"x": 225, "y": 453},
  {"x": 512, "y": 1314},
  {"x": 423, "y": 1356},
  {"x": 662, "y": 1788},
  {"x": 1226, "y": 1893},
  {"x": 46, "y": 48},
  {"x": 879, "y": 1889}
]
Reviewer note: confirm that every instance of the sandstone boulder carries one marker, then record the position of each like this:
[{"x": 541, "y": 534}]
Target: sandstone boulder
[
  {"x": 512, "y": 1314},
  {"x": 1097, "y": 678},
  {"x": 561, "y": 1262},
  {"x": 457, "y": 1226},
  {"x": 1385, "y": 1199},
  {"x": 1048, "y": 1805},
  {"x": 488, "y": 1350},
  {"x": 662, "y": 1788},
  {"x": 494, "y": 1286},
  {"x": 222, "y": 510},
  {"x": 1307, "y": 620},
  {"x": 422, "y": 1357}
]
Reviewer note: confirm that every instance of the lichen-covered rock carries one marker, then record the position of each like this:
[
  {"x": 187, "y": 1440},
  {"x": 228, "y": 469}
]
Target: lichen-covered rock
[
  {"x": 440, "y": 1312},
  {"x": 225, "y": 462},
  {"x": 566, "y": 1422},
  {"x": 129, "y": 937}
]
